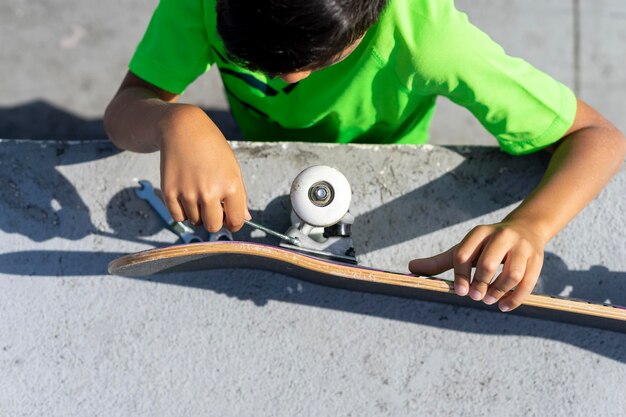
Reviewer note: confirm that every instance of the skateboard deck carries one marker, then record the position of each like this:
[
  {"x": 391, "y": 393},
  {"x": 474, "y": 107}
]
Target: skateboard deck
[{"x": 232, "y": 254}]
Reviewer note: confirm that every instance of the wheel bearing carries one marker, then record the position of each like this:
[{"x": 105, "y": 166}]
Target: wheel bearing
[{"x": 321, "y": 194}]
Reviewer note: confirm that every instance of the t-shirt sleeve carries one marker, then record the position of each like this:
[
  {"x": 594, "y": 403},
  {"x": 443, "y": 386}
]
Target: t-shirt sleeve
[
  {"x": 175, "y": 49},
  {"x": 521, "y": 106}
]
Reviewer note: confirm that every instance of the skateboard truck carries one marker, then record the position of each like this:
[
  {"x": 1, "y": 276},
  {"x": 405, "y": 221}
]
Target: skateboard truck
[{"x": 320, "y": 198}]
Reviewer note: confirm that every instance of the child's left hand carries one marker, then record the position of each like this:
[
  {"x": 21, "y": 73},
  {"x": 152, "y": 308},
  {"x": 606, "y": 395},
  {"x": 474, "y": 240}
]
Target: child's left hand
[
  {"x": 589, "y": 154},
  {"x": 486, "y": 247}
]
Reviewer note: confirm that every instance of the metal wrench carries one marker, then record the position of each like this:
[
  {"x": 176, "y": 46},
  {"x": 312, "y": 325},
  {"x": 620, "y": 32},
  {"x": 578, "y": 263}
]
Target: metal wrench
[
  {"x": 186, "y": 233},
  {"x": 146, "y": 192}
]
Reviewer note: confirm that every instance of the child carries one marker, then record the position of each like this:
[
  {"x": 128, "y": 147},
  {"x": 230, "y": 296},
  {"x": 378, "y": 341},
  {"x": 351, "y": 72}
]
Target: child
[{"x": 359, "y": 71}]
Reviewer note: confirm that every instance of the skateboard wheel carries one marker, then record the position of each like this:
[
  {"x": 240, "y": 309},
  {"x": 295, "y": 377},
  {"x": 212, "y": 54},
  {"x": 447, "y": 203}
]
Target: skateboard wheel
[{"x": 320, "y": 196}]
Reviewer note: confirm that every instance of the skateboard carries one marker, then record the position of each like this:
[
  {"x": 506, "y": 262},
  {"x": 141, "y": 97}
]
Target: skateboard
[{"x": 317, "y": 248}]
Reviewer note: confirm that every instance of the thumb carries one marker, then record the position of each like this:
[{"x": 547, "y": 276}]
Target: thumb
[{"x": 433, "y": 265}]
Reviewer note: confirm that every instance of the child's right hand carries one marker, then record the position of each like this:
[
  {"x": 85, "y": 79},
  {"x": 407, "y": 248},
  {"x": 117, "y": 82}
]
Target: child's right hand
[{"x": 200, "y": 178}]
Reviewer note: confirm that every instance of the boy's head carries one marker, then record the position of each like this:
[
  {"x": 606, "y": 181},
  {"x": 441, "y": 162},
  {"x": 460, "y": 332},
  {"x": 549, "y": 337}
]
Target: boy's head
[{"x": 290, "y": 36}]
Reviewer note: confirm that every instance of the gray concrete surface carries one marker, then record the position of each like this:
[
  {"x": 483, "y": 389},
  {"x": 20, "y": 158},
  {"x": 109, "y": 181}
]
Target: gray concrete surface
[
  {"x": 74, "y": 341},
  {"x": 77, "y": 342},
  {"x": 62, "y": 61}
]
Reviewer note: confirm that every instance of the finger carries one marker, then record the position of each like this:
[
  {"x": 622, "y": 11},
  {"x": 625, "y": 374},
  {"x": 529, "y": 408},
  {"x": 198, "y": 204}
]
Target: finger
[
  {"x": 463, "y": 259},
  {"x": 513, "y": 300},
  {"x": 487, "y": 265},
  {"x": 235, "y": 210},
  {"x": 212, "y": 215},
  {"x": 248, "y": 216},
  {"x": 512, "y": 274},
  {"x": 192, "y": 211},
  {"x": 433, "y": 265},
  {"x": 174, "y": 207},
  {"x": 462, "y": 274}
]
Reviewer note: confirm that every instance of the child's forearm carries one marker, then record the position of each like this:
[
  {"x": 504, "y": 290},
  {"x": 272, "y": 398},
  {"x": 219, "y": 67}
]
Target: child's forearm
[
  {"x": 141, "y": 115},
  {"x": 135, "y": 118},
  {"x": 130, "y": 119},
  {"x": 582, "y": 164}
]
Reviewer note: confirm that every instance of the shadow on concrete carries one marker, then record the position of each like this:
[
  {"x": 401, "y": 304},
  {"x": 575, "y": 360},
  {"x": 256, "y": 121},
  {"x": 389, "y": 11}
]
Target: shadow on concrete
[
  {"x": 497, "y": 181},
  {"x": 261, "y": 288},
  {"x": 41, "y": 120},
  {"x": 598, "y": 284},
  {"x": 36, "y": 200},
  {"x": 56, "y": 263}
]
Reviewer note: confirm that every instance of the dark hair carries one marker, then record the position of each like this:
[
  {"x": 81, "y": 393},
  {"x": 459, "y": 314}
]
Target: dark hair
[{"x": 282, "y": 36}]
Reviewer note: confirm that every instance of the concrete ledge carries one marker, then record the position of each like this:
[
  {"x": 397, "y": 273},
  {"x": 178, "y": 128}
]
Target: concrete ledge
[{"x": 74, "y": 341}]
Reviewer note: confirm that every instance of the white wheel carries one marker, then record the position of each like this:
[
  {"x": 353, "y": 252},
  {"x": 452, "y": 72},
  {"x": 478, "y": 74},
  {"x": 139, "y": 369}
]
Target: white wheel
[{"x": 320, "y": 196}]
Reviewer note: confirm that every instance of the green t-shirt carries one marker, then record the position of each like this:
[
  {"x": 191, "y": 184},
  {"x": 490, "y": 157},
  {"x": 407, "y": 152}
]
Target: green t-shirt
[{"x": 383, "y": 92}]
